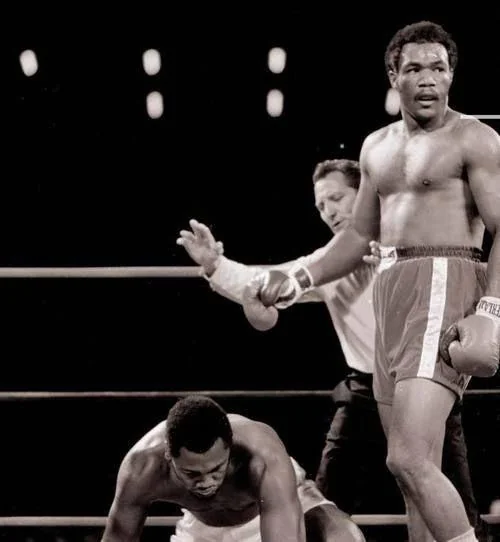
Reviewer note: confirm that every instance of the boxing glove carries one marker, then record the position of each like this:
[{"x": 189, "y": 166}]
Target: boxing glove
[
  {"x": 281, "y": 289},
  {"x": 260, "y": 317},
  {"x": 472, "y": 345}
]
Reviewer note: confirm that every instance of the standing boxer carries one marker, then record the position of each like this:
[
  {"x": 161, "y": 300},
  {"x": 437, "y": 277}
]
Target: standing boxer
[{"x": 430, "y": 184}]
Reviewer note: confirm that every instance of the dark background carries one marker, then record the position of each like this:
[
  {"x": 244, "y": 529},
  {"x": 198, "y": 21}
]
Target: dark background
[{"x": 89, "y": 179}]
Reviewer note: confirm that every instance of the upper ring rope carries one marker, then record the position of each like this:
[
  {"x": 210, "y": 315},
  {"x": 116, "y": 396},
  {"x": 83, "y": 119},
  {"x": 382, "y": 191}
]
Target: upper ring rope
[{"x": 102, "y": 272}]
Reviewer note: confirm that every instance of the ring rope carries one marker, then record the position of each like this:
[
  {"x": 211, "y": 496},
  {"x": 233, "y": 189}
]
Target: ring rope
[
  {"x": 170, "y": 521},
  {"x": 42, "y": 395},
  {"x": 135, "y": 271},
  {"x": 155, "y": 272},
  {"x": 141, "y": 271}
]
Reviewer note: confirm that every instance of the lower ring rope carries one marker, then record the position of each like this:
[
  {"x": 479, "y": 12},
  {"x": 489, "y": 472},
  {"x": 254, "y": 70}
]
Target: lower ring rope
[
  {"x": 170, "y": 521},
  {"x": 42, "y": 395}
]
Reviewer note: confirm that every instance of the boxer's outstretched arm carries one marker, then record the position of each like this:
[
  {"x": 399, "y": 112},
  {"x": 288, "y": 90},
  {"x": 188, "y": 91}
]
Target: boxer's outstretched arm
[
  {"x": 346, "y": 250},
  {"x": 231, "y": 278},
  {"x": 227, "y": 277}
]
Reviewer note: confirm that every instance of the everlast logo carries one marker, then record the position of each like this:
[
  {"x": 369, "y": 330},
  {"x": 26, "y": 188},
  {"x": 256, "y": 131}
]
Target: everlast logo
[{"x": 490, "y": 307}]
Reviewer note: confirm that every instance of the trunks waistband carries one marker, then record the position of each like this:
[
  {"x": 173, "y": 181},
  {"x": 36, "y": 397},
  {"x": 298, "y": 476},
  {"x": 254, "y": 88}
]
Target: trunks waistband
[{"x": 401, "y": 253}]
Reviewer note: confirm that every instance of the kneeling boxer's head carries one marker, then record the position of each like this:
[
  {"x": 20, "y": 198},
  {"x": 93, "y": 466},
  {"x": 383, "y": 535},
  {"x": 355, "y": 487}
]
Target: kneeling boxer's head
[{"x": 199, "y": 438}]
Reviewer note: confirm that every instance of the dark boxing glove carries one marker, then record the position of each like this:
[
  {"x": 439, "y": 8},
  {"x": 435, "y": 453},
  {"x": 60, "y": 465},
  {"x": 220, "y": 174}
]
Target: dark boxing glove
[
  {"x": 280, "y": 289},
  {"x": 472, "y": 345},
  {"x": 260, "y": 317}
]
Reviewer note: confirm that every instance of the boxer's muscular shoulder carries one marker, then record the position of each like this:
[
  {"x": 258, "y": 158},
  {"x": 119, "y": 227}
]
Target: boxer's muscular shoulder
[
  {"x": 143, "y": 463},
  {"x": 376, "y": 141},
  {"x": 476, "y": 136},
  {"x": 259, "y": 443},
  {"x": 257, "y": 437},
  {"x": 381, "y": 134}
]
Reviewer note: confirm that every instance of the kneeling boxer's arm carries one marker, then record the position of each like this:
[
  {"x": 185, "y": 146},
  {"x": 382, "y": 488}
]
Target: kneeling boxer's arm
[
  {"x": 126, "y": 517},
  {"x": 124, "y": 523},
  {"x": 281, "y": 514}
]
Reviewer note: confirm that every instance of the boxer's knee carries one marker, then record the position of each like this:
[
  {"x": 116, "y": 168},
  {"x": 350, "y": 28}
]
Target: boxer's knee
[
  {"x": 408, "y": 466},
  {"x": 327, "y": 523}
]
